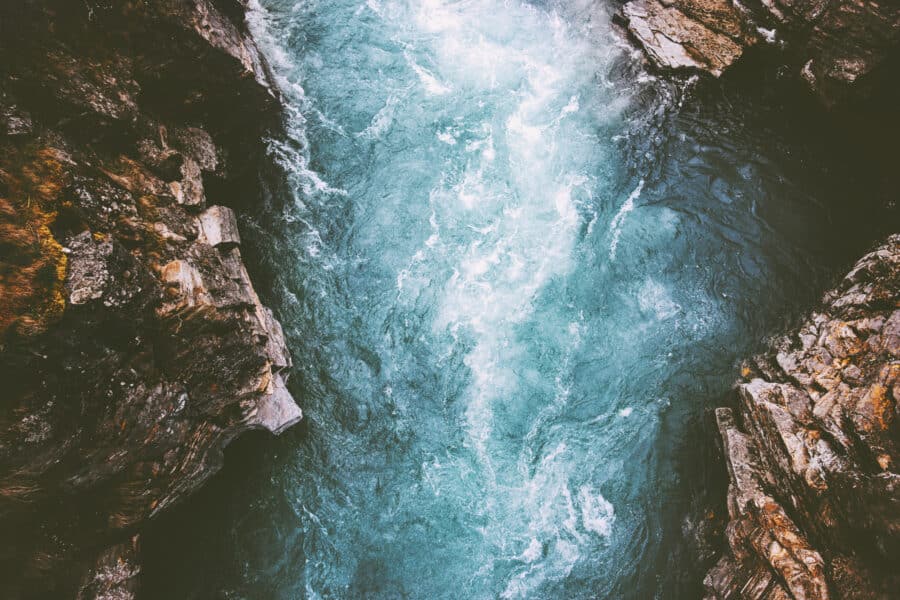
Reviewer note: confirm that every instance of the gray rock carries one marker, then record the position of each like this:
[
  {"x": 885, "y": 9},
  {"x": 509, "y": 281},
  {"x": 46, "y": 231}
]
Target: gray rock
[
  {"x": 219, "y": 227},
  {"x": 87, "y": 276},
  {"x": 276, "y": 410}
]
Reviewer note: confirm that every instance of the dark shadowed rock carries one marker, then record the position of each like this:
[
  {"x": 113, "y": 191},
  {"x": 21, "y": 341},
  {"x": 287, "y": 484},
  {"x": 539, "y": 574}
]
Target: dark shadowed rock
[
  {"x": 133, "y": 346},
  {"x": 115, "y": 574},
  {"x": 835, "y": 46}
]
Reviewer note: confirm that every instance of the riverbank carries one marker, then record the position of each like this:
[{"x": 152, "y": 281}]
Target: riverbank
[{"x": 134, "y": 347}]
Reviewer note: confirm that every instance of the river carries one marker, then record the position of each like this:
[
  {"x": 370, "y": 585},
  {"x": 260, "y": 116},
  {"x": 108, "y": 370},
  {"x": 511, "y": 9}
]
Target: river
[{"x": 515, "y": 270}]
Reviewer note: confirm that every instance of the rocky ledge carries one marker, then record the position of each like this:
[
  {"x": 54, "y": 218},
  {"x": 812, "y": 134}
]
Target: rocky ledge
[
  {"x": 133, "y": 347},
  {"x": 837, "y": 46},
  {"x": 812, "y": 451}
]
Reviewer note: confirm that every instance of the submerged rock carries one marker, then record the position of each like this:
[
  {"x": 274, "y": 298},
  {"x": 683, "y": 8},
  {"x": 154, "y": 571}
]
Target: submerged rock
[
  {"x": 133, "y": 346},
  {"x": 812, "y": 454}
]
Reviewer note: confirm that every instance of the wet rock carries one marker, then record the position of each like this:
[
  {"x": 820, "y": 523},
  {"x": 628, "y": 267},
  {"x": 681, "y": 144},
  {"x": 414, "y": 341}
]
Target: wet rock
[{"x": 811, "y": 451}]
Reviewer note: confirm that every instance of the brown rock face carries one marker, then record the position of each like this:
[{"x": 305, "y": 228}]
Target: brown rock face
[
  {"x": 133, "y": 346},
  {"x": 835, "y": 45},
  {"x": 698, "y": 34},
  {"x": 812, "y": 451}
]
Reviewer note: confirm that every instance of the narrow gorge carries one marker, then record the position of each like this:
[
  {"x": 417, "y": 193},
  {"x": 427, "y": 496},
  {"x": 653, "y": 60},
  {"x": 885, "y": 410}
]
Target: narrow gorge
[{"x": 530, "y": 291}]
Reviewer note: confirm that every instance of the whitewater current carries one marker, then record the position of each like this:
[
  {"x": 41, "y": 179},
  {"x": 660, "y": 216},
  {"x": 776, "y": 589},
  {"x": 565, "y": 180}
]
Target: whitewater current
[{"x": 513, "y": 269}]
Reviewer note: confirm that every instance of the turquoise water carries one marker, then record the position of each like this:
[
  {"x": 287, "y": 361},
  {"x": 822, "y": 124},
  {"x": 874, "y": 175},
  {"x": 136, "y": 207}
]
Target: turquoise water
[{"x": 514, "y": 269}]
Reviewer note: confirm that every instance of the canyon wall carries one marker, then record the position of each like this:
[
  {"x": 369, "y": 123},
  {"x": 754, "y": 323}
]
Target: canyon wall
[
  {"x": 813, "y": 449},
  {"x": 133, "y": 346},
  {"x": 841, "y": 48}
]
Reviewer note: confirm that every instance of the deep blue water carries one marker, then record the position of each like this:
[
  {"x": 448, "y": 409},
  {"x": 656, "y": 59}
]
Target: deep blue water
[{"x": 514, "y": 268}]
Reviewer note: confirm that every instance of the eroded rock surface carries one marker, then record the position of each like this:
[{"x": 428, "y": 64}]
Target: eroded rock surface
[
  {"x": 673, "y": 39},
  {"x": 835, "y": 45},
  {"x": 812, "y": 451},
  {"x": 133, "y": 346}
]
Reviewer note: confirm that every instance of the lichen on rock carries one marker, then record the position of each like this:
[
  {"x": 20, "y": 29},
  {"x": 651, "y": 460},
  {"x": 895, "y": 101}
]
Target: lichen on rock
[{"x": 33, "y": 263}]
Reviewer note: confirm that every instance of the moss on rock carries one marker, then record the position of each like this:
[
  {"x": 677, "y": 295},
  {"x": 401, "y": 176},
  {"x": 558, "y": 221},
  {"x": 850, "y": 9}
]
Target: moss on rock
[{"x": 33, "y": 262}]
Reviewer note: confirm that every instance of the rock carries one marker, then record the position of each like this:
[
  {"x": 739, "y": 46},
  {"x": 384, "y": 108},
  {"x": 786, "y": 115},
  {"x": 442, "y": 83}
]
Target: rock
[
  {"x": 98, "y": 93},
  {"x": 196, "y": 143},
  {"x": 87, "y": 277},
  {"x": 136, "y": 178},
  {"x": 674, "y": 40},
  {"x": 190, "y": 188},
  {"x": 114, "y": 575},
  {"x": 237, "y": 272},
  {"x": 186, "y": 286},
  {"x": 276, "y": 411},
  {"x": 223, "y": 34},
  {"x": 833, "y": 46},
  {"x": 219, "y": 227},
  {"x": 133, "y": 347},
  {"x": 811, "y": 451},
  {"x": 14, "y": 121},
  {"x": 276, "y": 346}
]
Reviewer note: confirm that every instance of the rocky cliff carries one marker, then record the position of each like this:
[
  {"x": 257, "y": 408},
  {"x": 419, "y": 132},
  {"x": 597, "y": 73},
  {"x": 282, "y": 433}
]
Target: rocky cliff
[
  {"x": 133, "y": 347},
  {"x": 841, "y": 48},
  {"x": 813, "y": 450}
]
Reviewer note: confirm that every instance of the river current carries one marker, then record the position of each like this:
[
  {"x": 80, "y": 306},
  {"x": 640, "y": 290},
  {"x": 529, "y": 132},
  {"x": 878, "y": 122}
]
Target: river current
[{"x": 515, "y": 269}]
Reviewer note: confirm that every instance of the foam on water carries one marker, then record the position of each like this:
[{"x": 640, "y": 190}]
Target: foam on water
[
  {"x": 499, "y": 241},
  {"x": 616, "y": 225}
]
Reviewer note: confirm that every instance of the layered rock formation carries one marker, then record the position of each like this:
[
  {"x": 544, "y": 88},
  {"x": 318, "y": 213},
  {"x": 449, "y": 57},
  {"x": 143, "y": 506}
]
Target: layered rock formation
[
  {"x": 813, "y": 451},
  {"x": 134, "y": 347},
  {"x": 835, "y": 45}
]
